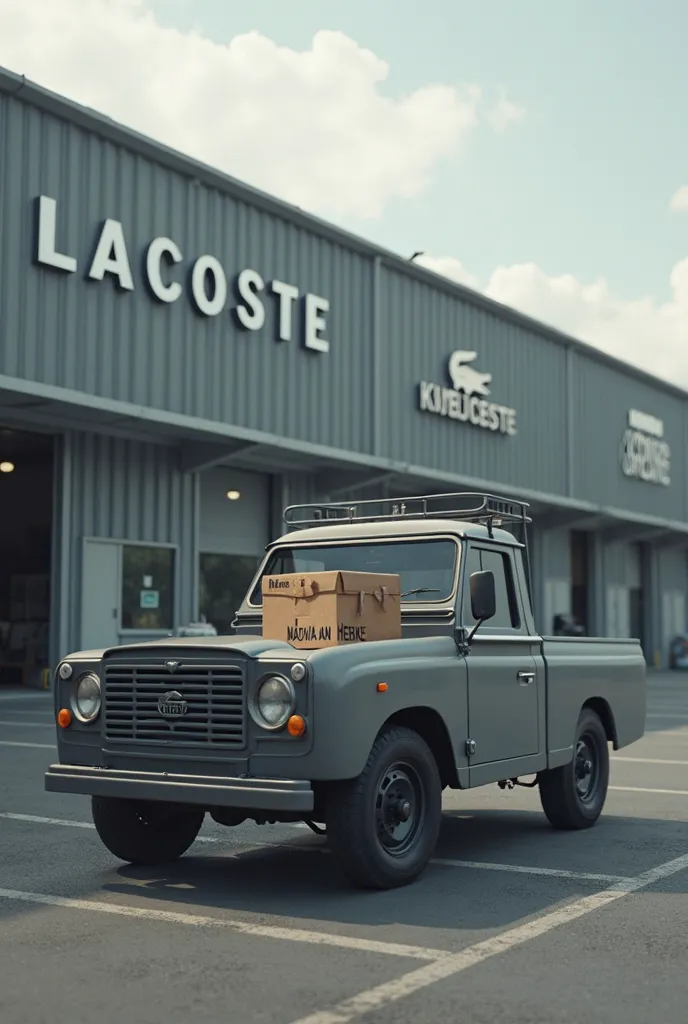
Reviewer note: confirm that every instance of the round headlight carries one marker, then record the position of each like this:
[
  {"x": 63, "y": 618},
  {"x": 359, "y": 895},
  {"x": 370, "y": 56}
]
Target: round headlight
[
  {"x": 298, "y": 671},
  {"x": 273, "y": 703},
  {"x": 87, "y": 697},
  {"x": 65, "y": 670}
]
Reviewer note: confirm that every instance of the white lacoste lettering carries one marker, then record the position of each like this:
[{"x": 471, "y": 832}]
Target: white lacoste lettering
[{"x": 209, "y": 287}]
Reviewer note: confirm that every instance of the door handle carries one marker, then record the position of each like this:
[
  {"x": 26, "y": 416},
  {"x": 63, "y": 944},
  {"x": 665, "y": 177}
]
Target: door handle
[{"x": 525, "y": 678}]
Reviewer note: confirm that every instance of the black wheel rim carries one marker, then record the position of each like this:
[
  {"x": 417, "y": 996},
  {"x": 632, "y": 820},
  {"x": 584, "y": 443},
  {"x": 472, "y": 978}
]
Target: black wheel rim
[
  {"x": 587, "y": 769},
  {"x": 399, "y": 809}
]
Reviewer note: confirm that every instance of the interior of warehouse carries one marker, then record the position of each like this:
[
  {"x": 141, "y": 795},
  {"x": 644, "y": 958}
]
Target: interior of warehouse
[
  {"x": 234, "y": 530},
  {"x": 26, "y": 504}
]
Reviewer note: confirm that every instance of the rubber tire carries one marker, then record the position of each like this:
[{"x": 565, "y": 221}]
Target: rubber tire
[
  {"x": 351, "y": 816},
  {"x": 122, "y": 827},
  {"x": 559, "y": 796}
]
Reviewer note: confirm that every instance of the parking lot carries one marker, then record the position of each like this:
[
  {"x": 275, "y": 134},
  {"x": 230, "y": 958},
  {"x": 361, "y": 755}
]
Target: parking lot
[{"x": 513, "y": 922}]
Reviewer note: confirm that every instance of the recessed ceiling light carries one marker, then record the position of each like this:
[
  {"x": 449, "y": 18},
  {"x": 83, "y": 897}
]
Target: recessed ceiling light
[
  {"x": 233, "y": 495},
  {"x": 6, "y": 467}
]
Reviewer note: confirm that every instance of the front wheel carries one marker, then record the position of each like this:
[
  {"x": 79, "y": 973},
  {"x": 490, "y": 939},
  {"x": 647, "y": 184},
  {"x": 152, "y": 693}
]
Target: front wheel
[
  {"x": 383, "y": 826},
  {"x": 573, "y": 795},
  {"x": 148, "y": 833}
]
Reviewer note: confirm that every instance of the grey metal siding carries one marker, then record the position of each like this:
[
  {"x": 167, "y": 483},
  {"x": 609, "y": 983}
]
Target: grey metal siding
[
  {"x": 388, "y": 328},
  {"x": 603, "y": 399},
  {"x": 290, "y": 489},
  {"x": 61, "y": 329},
  {"x": 123, "y": 490},
  {"x": 421, "y": 327}
]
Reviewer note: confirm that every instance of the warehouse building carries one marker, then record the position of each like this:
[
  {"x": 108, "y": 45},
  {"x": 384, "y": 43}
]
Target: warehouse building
[{"x": 182, "y": 356}]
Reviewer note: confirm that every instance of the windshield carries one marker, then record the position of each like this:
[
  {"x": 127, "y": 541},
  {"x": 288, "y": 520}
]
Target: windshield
[{"x": 427, "y": 567}]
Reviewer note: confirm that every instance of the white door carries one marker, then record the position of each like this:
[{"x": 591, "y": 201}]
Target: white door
[{"x": 100, "y": 594}]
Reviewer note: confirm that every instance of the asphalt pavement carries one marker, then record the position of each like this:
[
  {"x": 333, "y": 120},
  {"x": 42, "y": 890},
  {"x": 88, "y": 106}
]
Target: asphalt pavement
[{"x": 513, "y": 923}]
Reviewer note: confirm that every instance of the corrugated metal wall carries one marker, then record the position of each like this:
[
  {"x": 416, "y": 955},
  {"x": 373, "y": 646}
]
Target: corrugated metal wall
[
  {"x": 603, "y": 399},
  {"x": 388, "y": 331},
  {"x": 122, "y": 490},
  {"x": 421, "y": 327},
  {"x": 61, "y": 329}
]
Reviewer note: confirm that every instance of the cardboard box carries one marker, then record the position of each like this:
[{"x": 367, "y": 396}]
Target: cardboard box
[{"x": 327, "y": 609}]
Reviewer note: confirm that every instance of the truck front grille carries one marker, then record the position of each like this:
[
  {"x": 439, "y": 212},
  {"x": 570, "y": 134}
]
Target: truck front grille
[{"x": 197, "y": 703}]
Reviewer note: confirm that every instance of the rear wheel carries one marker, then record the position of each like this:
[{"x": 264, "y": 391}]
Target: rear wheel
[
  {"x": 383, "y": 826},
  {"x": 574, "y": 795},
  {"x": 145, "y": 832}
]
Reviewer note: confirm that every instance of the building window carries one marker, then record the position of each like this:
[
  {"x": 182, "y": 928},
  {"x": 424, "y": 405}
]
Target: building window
[
  {"x": 147, "y": 587},
  {"x": 224, "y": 581}
]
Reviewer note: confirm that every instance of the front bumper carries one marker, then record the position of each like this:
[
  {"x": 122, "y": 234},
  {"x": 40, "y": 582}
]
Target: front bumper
[{"x": 289, "y": 795}]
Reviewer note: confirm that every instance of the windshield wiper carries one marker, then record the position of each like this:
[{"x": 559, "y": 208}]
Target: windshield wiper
[{"x": 422, "y": 590}]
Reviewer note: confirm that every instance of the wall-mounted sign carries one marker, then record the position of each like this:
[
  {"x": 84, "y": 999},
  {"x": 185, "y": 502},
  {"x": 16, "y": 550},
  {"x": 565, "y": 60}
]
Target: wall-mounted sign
[
  {"x": 644, "y": 453},
  {"x": 208, "y": 287},
  {"x": 466, "y": 400}
]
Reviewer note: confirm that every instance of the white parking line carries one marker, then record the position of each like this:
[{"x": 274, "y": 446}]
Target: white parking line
[
  {"x": 70, "y": 823},
  {"x": 640, "y": 789},
  {"x": 391, "y": 991},
  {"x": 34, "y": 819},
  {"x": 29, "y": 725},
  {"x": 29, "y": 712},
  {"x": 648, "y": 760},
  {"x": 518, "y": 869},
  {"x": 244, "y": 927},
  {"x": 581, "y": 876},
  {"x": 37, "y": 746},
  {"x": 8, "y": 698}
]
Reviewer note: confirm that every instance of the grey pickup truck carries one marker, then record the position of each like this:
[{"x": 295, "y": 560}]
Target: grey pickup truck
[{"x": 162, "y": 733}]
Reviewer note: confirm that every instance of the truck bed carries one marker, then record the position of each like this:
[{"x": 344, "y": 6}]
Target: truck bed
[{"x": 610, "y": 672}]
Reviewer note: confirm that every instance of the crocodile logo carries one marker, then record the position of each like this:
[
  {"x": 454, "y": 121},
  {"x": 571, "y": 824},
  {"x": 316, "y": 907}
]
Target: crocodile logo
[
  {"x": 465, "y": 378},
  {"x": 172, "y": 705}
]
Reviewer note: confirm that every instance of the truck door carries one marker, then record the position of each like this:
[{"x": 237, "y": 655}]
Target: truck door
[{"x": 503, "y": 683}]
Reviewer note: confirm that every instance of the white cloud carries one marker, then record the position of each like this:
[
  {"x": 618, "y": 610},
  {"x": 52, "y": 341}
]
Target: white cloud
[
  {"x": 449, "y": 267},
  {"x": 316, "y": 128},
  {"x": 679, "y": 200},
  {"x": 505, "y": 113},
  {"x": 651, "y": 335},
  {"x": 313, "y": 127}
]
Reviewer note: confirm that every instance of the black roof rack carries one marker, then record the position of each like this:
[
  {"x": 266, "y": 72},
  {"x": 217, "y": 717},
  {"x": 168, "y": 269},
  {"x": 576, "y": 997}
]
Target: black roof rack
[{"x": 490, "y": 510}]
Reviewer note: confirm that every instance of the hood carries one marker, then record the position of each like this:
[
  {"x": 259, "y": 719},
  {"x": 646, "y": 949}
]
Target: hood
[{"x": 253, "y": 647}]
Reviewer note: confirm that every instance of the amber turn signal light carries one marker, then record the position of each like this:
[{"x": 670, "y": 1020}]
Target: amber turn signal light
[
  {"x": 382, "y": 687},
  {"x": 296, "y": 726},
  {"x": 64, "y": 718}
]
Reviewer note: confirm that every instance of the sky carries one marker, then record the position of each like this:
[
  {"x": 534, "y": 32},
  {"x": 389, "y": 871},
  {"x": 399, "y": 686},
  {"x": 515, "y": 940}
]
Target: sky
[{"x": 534, "y": 151}]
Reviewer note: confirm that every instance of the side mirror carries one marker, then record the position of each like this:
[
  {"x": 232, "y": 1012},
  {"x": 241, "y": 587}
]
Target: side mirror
[{"x": 483, "y": 599}]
